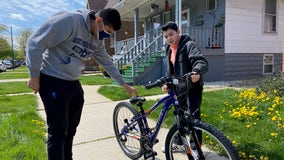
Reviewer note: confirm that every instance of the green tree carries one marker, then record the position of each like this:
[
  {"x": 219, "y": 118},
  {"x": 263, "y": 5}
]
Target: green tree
[{"x": 5, "y": 48}]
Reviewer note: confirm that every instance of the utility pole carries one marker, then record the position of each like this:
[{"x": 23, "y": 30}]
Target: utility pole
[{"x": 13, "y": 56}]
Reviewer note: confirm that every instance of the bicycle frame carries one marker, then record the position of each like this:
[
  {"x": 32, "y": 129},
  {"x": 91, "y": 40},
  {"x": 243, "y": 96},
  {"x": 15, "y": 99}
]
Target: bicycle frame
[
  {"x": 169, "y": 101},
  {"x": 137, "y": 128}
]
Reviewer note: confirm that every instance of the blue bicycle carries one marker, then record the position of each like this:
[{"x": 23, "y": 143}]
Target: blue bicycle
[{"x": 136, "y": 138}]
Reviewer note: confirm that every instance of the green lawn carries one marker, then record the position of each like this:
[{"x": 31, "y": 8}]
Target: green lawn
[
  {"x": 14, "y": 88},
  {"x": 22, "y": 131},
  {"x": 20, "y": 72},
  {"x": 253, "y": 121}
]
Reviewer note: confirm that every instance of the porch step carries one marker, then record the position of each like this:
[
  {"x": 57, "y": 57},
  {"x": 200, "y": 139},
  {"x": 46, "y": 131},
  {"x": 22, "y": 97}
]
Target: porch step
[{"x": 127, "y": 74}]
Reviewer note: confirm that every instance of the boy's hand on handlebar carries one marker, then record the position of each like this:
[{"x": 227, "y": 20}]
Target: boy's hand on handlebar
[
  {"x": 194, "y": 77},
  {"x": 164, "y": 88}
]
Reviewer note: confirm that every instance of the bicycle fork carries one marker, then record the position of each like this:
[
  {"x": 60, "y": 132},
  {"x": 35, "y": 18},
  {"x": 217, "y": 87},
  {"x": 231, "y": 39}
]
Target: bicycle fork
[{"x": 192, "y": 144}]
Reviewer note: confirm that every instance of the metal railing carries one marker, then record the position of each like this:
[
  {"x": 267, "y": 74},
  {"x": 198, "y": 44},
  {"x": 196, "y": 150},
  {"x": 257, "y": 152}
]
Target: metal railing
[
  {"x": 206, "y": 38},
  {"x": 152, "y": 42},
  {"x": 140, "y": 53}
]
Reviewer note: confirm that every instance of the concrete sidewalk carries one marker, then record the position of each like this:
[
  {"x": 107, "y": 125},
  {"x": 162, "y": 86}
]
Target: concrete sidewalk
[{"x": 95, "y": 138}]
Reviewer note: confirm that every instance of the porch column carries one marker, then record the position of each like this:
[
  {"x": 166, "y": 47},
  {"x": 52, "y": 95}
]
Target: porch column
[
  {"x": 115, "y": 44},
  {"x": 178, "y": 13},
  {"x": 136, "y": 36},
  {"x": 136, "y": 24}
]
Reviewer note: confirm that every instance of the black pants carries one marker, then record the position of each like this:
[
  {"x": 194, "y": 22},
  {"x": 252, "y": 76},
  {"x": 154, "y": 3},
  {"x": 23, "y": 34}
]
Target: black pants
[
  {"x": 63, "y": 102},
  {"x": 193, "y": 102}
]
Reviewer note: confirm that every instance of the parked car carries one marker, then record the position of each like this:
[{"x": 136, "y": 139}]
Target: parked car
[
  {"x": 8, "y": 64},
  {"x": 3, "y": 67}
]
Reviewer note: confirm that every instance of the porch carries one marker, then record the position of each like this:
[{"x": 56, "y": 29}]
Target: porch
[
  {"x": 205, "y": 38},
  {"x": 137, "y": 59}
]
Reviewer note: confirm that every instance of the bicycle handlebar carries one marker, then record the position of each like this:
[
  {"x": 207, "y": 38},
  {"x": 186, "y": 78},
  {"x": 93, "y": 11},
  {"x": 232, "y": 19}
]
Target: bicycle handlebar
[
  {"x": 157, "y": 83},
  {"x": 167, "y": 80}
]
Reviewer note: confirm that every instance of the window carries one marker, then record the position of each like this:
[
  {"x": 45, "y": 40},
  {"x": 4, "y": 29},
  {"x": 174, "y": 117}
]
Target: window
[
  {"x": 156, "y": 22},
  {"x": 211, "y": 4},
  {"x": 167, "y": 17},
  {"x": 270, "y": 16},
  {"x": 185, "y": 18},
  {"x": 148, "y": 23},
  {"x": 268, "y": 63}
]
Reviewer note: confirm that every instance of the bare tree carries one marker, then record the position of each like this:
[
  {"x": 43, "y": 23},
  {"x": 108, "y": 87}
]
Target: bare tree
[{"x": 22, "y": 40}]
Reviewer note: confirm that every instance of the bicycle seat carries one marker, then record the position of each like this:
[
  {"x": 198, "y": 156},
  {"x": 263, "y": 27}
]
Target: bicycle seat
[{"x": 135, "y": 100}]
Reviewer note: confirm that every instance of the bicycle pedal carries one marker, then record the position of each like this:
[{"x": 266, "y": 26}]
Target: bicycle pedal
[
  {"x": 156, "y": 141},
  {"x": 149, "y": 153}
]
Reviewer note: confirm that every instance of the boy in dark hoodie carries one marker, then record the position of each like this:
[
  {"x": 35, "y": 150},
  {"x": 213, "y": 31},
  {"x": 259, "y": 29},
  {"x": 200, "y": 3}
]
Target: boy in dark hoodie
[{"x": 183, "y": 57}]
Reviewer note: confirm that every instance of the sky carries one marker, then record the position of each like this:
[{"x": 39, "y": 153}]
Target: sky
[{"x": 30, "y": 14}]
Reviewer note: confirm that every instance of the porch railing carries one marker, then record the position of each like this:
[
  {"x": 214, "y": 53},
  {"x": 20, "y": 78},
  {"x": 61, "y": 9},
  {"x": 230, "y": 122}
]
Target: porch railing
[
  {"x": 152, "y": 41},
  {"x": 206, "y": 38},
  {"x": 139, "y": 53}
]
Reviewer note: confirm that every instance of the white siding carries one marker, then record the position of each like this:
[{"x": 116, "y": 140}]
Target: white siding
[{"x": 244, "y": 28}]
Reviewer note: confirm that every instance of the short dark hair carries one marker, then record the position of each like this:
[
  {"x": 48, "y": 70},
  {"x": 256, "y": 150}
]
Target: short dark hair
[
  {"x": 170, "y": 25},
  {"x": 111, "y": 17}
]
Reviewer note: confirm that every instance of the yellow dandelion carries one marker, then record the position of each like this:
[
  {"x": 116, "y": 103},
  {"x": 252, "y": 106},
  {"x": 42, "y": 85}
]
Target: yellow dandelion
[
  {"x": 274, "y": 134},
  {"x": 251, "y": 156},
  {"x": 275, "y": 91},
  {"x": 265, "y": 158}
]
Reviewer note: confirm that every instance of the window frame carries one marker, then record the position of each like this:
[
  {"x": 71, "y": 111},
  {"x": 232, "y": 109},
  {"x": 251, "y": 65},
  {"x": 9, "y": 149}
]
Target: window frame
[
  {"x": 270, "y": 15},
  {"x": 268, "y": 64},
  {"x": 166, "y": 17},
  {"x": 208, "y": 9},
  {"x": 156, "y": 22}
]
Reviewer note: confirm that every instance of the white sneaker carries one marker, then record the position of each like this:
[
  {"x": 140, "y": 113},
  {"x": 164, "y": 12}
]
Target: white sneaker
[{"x": 195, "y": 154}]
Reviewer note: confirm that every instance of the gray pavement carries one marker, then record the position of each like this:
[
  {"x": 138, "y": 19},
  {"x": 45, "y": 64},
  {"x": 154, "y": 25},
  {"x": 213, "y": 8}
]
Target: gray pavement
[{"x": 95, "y": 139}]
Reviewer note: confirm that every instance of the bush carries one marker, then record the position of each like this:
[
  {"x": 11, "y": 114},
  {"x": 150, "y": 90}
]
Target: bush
[
  {"x": 124, "y": 67},
  {"x": 103, "y": 71},
  {"x": 272, "y": 84}
]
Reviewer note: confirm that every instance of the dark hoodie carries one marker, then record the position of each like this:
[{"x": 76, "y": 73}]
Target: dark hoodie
[{"x": 188, "y": 59}]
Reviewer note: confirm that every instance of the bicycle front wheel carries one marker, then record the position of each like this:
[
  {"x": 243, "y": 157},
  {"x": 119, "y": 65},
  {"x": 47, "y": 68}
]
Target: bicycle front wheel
[
  {"x": 214, "y": 145},
  {"x": 128, "y": 136}
]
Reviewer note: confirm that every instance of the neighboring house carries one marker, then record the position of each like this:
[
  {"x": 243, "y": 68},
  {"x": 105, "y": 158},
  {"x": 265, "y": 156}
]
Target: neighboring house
[{"x": 241, "y": 39}]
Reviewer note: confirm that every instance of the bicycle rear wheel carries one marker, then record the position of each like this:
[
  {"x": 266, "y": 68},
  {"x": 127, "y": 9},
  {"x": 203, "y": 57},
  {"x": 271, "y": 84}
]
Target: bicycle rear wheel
[
  {"x": 215, "y": 146},
  {"x": 128, "y": 137}
]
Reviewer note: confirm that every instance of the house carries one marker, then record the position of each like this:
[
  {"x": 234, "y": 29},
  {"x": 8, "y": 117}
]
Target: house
[
  {"x": 123, "y": 34},
  {"x": 241, "y": 39}
]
